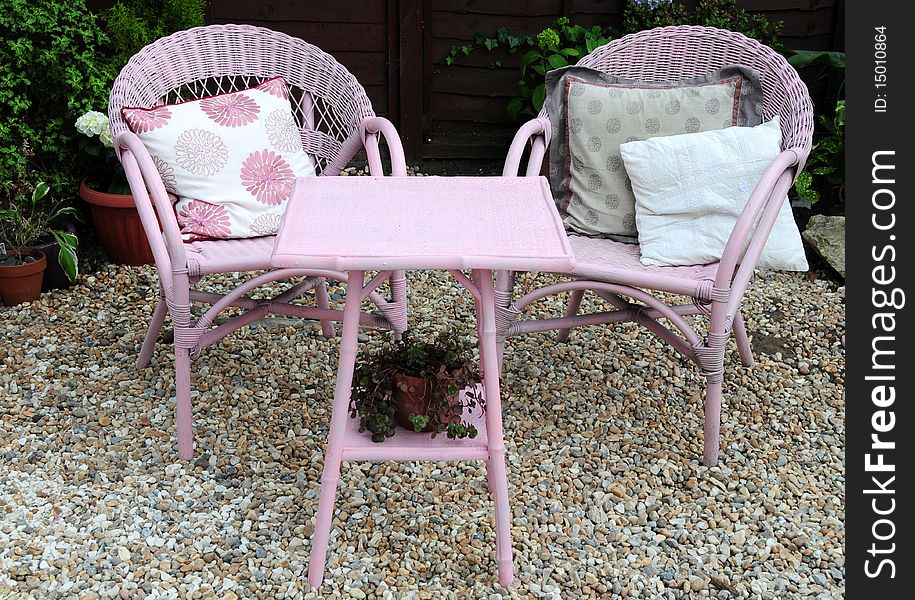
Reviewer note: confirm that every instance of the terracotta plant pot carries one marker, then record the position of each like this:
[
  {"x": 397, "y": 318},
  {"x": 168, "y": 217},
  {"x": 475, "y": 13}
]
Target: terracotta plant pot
[
  {"x": 412, "y": 396},
  {"x": 119, "y": 227},
  {"x": 22, "y": 283}
]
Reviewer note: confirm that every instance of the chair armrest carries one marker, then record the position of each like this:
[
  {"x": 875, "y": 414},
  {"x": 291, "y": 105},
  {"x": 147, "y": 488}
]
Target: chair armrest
[
  {"x": 370, "y": 129},
  {"x": 142, "y": 175},
  {"x": 537, "y": 132},
  {"x": 749, "y": 235}
]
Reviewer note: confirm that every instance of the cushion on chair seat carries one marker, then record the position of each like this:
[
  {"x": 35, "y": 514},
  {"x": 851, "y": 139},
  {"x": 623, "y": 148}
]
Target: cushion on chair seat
[
  {"x": 618, "y": 262},
  {"x": 220, "y": 256}
]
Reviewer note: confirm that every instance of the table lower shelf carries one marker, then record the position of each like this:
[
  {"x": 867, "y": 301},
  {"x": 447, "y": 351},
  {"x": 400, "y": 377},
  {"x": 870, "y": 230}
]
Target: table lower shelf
[{"x": 410, "y": 445}]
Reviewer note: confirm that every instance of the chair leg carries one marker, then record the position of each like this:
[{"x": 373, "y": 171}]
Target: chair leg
[
  {"x": 712, "y": 423},
  {"x": 183, "y": 399},
  {"x": 562, "y": 335},
  {"x": 152, "y": 334},
  {"x": 327, "y": 327},
  {"x": 744, "y": 349}
]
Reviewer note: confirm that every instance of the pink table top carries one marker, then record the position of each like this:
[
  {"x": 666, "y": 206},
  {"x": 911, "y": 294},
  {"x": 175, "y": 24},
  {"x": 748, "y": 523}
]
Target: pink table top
[{"x": 385, "y": 223}]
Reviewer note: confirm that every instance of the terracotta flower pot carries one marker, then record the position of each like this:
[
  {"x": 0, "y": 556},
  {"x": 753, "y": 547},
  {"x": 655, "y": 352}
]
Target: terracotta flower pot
[
  {"x": 412, "y": 396},
  {"x": 119, "y": 227},
  {"x": 22, "y": 283}
]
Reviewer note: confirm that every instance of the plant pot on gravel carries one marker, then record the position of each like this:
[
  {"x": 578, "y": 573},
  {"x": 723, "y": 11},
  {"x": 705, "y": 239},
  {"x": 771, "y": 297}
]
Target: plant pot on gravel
[
  {"x": 423, "y": 386},
  {"x": 21, "y": 273},
  {"x": 118, "y": 224}
]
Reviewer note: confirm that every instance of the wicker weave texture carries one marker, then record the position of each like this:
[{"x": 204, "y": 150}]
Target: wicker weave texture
[
  {"x": 681, "y": 52},
  {"x": 328, "y": 102}
]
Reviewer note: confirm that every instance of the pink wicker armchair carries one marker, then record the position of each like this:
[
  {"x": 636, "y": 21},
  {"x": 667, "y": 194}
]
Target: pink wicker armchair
[
  {"x": 336, "y": 121},
  {"x": 612, "y": 270}
]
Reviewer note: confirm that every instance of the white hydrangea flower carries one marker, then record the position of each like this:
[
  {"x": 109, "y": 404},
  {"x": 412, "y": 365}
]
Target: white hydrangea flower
[
  {"x": 92, "y": 123},
  {"x": 105, "y": 136}
]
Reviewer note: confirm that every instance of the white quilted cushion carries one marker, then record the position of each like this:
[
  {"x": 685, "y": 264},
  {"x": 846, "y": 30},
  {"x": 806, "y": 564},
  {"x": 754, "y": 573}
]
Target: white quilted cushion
[
  {"x": 231, "y": 159},
  {"x": 690, "y": 189}
]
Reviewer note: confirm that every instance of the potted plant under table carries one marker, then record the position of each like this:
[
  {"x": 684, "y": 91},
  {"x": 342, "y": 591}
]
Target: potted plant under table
[{"x": 427, "y": 386}]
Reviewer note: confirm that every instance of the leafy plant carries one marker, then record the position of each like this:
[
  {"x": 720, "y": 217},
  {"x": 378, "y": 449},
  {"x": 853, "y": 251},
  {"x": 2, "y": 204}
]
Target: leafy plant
[
  {"x": 28, "y": 219},
  {"x": 556, "y": 46},
  {"x": 52, "y": 65},
  {"x": 105, "y": 172},
  {"x": 724, "y": 14},
  {"x": 447, "y": 361},
  {"x": 132, "y": 24},
  {"x": 825, "y": 169}
]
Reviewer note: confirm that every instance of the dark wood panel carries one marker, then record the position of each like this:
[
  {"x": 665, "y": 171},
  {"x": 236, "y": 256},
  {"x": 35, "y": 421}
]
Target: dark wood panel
[
  {"x": 502, "y": 8},
  {"x": 359, "y": 37},
  {"x": 471, "y": 80},
  {"x": 412, "y": 90},
  {"x": 477, "y": 109},
  {"x": 371, "y": 11},
  {"x": 370, "y": 68},
  {"x": 767, "y": 5},
  {"x": 466, "y": 27},
  {"x": 797, "y": 23}
]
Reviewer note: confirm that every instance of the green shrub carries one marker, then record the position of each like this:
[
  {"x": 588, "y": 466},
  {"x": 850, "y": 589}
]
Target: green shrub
[
  {"x": 724, "y": 14},
  {"x": 132, "y": 24},
  {"x": 559, "y": 45},
  {"x": 52, "y": 69},
  {"x": 824, "y": 172}
]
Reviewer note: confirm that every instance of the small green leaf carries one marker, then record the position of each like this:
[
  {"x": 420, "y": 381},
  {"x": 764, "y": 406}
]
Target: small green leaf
[
  {"x": 557, "y": 61},
  {"x": 539, "y": 96},
  {"x": 41, "y": 190},
  {"x": 514, "y": 108},
  {"x": 67, "y": 260},
  {"x": 419, "y": 422}
]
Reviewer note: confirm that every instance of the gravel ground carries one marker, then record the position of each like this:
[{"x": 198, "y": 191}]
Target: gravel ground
[{"x": 608, "y": 493}]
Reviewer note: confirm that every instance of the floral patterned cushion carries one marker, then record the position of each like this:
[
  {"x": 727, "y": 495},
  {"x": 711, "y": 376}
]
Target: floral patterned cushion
[
  {"x": 231, "y": 159},
  {"x": 592, "y": 113}
]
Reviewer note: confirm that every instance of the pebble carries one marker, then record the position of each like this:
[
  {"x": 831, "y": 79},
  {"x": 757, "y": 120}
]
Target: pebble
[{"x": 608, "y": 495}]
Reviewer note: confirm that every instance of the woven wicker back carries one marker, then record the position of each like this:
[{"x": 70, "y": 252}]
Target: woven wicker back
[
  {"x": 688, "y": 51},
  {"x": 328, "y": 102}
]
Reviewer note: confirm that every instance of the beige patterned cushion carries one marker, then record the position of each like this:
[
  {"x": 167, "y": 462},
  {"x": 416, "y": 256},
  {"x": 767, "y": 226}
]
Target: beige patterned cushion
[{"x": 590, "y": 181}]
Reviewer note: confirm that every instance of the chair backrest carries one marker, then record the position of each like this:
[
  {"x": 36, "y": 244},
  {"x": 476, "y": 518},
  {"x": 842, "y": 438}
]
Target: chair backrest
[
  {"x": 328, "y": 102},
  {"x": 682, "y": 52}
]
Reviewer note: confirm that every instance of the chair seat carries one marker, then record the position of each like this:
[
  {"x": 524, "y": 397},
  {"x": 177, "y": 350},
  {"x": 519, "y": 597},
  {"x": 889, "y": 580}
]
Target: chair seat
[
  {"x": 219, "y": 256},
  {"x": 618, "y": 262}
]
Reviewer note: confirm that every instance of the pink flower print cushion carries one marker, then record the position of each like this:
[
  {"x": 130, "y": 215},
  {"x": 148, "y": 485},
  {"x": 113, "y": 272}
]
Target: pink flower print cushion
[
  {"x": 208, "y": 220},
  {"x": 267, "y": 176},
  {"x": 147, "y": 120},
  {"x": 231, "y": 110},
  {"x": 231, "y": 159}
]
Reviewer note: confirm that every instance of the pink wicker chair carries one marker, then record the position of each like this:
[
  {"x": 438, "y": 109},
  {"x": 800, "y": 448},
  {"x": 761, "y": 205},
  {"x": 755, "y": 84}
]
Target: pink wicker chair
[
  {"x": 336, "y": 121},
  {"x": 612, "y": 270}
]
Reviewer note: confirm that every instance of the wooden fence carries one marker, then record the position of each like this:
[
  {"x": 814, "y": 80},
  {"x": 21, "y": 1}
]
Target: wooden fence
[{"x": 396, "y": 49}]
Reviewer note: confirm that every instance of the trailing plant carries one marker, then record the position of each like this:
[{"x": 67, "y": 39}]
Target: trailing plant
[
  {"x": 825, "y": 168},
  {"x": 133, "y": 24},
  {"x": 52, "y": 65},
  {"x": 724, "y": 14},
  {"x": 28, "y": 219},
  {"x": 559, "y": 45},
  {"x": 447, "y": 361}
]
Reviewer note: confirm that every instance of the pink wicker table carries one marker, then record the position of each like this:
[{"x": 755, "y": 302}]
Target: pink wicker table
[{"x": 361, "y": 224}]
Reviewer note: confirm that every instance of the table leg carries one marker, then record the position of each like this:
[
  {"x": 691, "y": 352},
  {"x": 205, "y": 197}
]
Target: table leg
[
  {"x": 334, "y": 456},
  {"x": 495, "y": 470}
]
